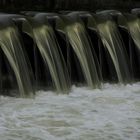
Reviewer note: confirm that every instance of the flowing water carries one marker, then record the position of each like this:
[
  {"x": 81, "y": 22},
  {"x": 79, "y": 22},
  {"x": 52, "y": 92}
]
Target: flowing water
[
  {"x": 112, "y": 113},
  {"x": 81, "y": 46},
  {"x": 114, "y": 45},
  {"x": 46, "y": 42},
  {"x": 79, "y": 41},
  {"x": 134, "y": 28},
  {"x": 11, "y": 47}
]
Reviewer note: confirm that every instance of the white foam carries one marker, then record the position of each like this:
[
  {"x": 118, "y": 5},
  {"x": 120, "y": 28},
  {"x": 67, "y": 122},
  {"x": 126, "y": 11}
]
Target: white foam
[{"x": 109, "y": 113}]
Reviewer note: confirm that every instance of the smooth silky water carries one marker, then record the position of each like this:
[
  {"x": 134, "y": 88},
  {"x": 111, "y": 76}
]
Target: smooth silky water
[
  {"x": 81, "y": 46},
  {"x": 77, "y": 38},
  {"x": 134, "y": 28},
  {"x": 11, "y": 46},
  {"x": 114, "y": 45},
  {"x": 44, "y": 37}
]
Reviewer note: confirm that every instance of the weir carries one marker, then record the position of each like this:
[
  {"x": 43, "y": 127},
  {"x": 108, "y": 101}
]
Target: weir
[
  {"x": 111, "y": 39},
  {"x": 55, "y": 50},
  {"x": 44, "y": 37},
  {"x": 80, "y": 43},
  {"x": 12, "y": 49}
]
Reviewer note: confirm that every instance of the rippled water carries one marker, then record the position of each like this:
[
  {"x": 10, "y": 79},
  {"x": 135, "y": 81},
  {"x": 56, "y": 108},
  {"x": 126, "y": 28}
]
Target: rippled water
[{"x": 112, "y": 113}]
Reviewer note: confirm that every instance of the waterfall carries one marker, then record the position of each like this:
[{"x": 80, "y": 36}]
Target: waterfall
[
  {"x": 59, "y": 50},
  {"x": 11, "y": 47},
  {"x": 81, "y": 46},
  {"x": 112, "y": 41},
  {"x": 133, "y": 25},
  {"x": 77, "y": 37},
  {"x": 44, "y": 37}
]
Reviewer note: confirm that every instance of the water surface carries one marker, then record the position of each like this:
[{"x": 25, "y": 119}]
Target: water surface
[{"x": 112, "y": 113}]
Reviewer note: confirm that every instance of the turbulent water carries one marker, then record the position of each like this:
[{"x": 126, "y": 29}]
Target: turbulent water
[{"x": 112, "y": 113}]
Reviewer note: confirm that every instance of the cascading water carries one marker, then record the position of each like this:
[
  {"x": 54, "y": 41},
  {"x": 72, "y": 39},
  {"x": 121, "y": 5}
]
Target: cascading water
[
  {"x": 41, "y": 48},
  {"x": 11, "y": 46},
  {"x": 39, "y": 28},
  {"x": 130, "y": 23},
  {"x": 112, "y": 41},
  {"x": 78, "y": 38},
  {"x": 134, "y": 28}
]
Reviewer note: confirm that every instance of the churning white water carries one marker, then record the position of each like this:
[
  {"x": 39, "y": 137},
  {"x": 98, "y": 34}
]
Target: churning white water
[{"x": 112, "y": 113}]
